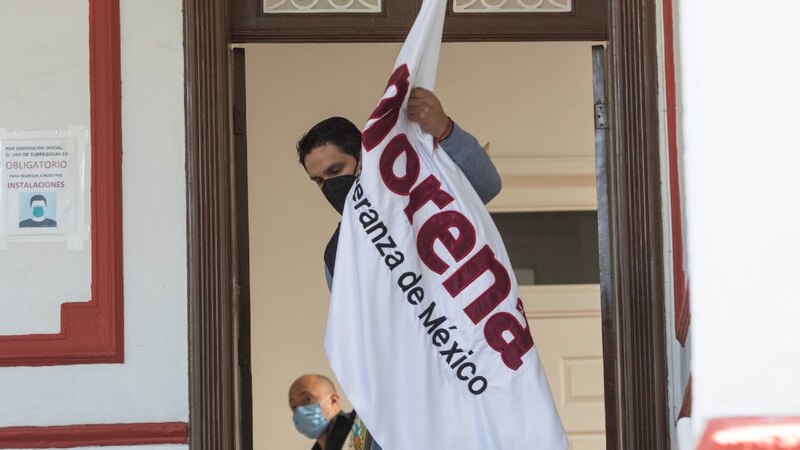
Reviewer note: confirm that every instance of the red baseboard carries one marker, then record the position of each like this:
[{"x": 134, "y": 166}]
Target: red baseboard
[{"x": 70, "y": 436}]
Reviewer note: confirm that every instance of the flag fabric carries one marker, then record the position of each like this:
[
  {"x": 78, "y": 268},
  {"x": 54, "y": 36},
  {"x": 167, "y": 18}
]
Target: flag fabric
[{"x": 426, "y": 333}]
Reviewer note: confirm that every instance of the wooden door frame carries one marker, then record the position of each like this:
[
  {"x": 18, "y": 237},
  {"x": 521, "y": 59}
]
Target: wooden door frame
[
  {"x": 633, "y": 302},
  {"x": 586, "y": 22},
  {"x": 634, "y": 342},
  {"x": 210, "y": 229}
]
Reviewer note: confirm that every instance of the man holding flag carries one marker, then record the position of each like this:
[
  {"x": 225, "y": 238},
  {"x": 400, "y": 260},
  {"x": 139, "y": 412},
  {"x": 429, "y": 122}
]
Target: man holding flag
[
  {"x": 330, "y": 153},
  {"x": 426, "y": 333}
]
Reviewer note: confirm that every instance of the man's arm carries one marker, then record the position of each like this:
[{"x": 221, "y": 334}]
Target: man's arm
[
  {"x": 474, "y": 162},
  {"x": 426, "y": 110}
]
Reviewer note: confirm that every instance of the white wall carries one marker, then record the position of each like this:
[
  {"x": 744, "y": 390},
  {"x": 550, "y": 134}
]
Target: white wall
[
  {"x": 741, "y": 122},
  {"x": 47, "y": 92},
  {"x": 152, "y": 384}
]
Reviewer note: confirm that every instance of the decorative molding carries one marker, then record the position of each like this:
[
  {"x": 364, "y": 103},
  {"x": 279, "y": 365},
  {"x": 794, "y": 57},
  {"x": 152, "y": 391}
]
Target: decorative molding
[
  {"x": 558, "y": 301},
  {"x": 686, "y": 403},
  {"x": 322, "y": 6},
  {"x": 249, "y": 23},
  {"x": 210, "y": 230},
  {"x": 571, "y": 368},
  {"x": 681, "y": 281},
  {"x": 92, "y": 332},
  {"x": 94, "y": 435},
  {"x": 511, "y": 6},
  {"x": 586, "y": 20},
  {"x": 751, "y": 433},
  {"x": 546, "y": 184}
]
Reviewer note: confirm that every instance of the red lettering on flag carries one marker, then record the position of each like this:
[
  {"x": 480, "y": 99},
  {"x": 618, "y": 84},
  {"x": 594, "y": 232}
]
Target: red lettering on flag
[
  {"x": 481, "y": 262},
  {"x": 521, "y": 340},
  {"x": 398, "y": 146},
  {"x": 439, "y": 228},
  {"x": 388, "y": 110}
]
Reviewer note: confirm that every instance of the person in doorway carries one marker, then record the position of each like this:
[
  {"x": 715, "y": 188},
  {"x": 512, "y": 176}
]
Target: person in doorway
[
  {"x": 38, "y": 206},
  {"x": 317, "y": 414},
  {"x": 330, "y": 153}
]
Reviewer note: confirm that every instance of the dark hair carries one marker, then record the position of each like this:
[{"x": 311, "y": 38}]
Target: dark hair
[
  {"x": 38, "y": 198},
  {"x": 334, "y": 130}
]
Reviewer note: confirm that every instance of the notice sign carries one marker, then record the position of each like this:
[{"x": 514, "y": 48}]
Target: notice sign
[{"x": 41, "y": 181}]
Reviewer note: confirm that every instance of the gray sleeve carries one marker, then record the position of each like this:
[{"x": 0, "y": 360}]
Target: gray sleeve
[{"x": 474, "y": 162}]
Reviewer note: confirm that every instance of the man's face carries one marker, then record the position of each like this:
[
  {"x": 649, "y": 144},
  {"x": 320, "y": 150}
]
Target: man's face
[
  {"x": 328, "y": 161},
  {"x": 308, "y": 390},
  {"x": 37, "y": 208}
]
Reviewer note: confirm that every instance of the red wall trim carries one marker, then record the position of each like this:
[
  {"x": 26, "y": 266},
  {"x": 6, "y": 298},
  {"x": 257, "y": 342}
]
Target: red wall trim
[
  {"x": 751, "y": 433},
  {"x": 686, "y": 404},
  {"x": 94, "y": 435},
  {"x": 92, "y": 332},
  {"x": 681, "y": 283}
]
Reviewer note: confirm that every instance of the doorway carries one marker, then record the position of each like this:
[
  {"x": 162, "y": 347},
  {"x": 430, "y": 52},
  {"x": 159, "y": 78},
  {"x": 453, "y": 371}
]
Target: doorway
[
  {"x": 536, "y": 116},
  {"x": 632, "y": 286}
]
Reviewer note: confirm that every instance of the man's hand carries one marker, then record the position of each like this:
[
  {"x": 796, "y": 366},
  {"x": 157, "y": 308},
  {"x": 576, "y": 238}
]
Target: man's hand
[{"x": 424, "y": 108}]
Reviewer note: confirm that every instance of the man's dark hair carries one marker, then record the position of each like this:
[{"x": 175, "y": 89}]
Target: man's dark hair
[
  {"x": 335, "y": 130},
  {"x": 39, "y": 198}
]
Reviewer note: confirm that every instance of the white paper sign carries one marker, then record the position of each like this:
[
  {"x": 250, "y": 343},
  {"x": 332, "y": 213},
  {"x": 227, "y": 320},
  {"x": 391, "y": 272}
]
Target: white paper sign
[{"x": 42, "y": 176}]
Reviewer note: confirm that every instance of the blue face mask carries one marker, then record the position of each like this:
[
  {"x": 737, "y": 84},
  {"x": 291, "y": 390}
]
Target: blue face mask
[
  {"x": 38, "y": 211},
  {"x": 309, "y": 420}
]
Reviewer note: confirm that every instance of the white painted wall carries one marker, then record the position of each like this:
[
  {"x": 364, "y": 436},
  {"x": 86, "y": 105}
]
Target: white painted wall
[
  {"x": 741, "y": 121},
  {"x": 152, "y": 384},
  {"x": 44, "y": 85}
]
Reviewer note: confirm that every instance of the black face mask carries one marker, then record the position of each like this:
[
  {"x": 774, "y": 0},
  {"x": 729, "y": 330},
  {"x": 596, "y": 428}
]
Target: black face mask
[{"x": 335, "y": 190}]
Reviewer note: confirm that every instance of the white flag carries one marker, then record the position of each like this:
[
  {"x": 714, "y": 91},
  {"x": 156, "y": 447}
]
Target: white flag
[{"x": 426, "y": 333}]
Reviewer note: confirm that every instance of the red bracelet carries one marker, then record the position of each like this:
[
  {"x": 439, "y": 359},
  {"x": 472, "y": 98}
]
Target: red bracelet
[{"x": 447, "y": 130}]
